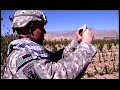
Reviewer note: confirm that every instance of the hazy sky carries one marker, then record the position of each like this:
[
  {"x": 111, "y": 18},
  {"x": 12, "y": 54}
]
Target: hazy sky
[{"x": 66, "y": 20}]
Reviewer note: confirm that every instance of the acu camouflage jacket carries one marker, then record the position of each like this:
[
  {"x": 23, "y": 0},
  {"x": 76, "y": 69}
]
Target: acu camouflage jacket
[{"x": 29, "y": 60}]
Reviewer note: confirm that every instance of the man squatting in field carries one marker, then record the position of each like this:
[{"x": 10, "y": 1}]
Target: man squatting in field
[{"x": 28, "y": 59}]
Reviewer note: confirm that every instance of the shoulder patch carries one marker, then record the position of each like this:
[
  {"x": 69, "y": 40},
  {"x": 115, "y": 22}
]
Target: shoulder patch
[{"x": 24, "y": 59}]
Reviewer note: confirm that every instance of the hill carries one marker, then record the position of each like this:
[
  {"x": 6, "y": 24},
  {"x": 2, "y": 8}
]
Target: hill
[{"x": 98, "y": 34}]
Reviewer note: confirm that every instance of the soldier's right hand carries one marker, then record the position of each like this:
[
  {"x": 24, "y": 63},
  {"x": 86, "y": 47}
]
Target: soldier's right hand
[{"x": 87, "y": 36}]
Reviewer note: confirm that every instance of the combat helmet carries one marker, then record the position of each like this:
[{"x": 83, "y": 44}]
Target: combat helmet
[{"x": 22, "y": 17}]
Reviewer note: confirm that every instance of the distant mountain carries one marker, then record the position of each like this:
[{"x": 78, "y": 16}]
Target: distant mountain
[{"x": 98, "y": 34}]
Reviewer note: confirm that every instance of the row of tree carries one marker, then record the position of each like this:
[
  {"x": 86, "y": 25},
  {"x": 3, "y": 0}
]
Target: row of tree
[{"x": 7, "y": 38}]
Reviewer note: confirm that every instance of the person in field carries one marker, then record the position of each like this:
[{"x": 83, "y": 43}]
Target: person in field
[{"x": 28, "y": 59}]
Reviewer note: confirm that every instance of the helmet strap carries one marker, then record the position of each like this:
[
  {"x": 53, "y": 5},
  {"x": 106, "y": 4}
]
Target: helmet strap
[{"x": 20, "y": 36}]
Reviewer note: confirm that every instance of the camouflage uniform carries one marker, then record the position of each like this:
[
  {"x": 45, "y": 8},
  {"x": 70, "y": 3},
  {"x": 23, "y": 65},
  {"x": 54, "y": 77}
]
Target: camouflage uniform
[{"x": 29, "y": 60}]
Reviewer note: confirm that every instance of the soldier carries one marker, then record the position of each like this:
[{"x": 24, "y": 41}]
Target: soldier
[{"x": 28, "y": 59}]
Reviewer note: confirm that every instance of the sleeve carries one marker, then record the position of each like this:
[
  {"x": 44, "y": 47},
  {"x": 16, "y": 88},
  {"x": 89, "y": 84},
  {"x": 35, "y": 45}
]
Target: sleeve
[
  {"x": 11, "y": 68},
  {"x": 64, "y": 52},
  {"x": 70, "y": 48},
  {"x": 67, "y": 68}
]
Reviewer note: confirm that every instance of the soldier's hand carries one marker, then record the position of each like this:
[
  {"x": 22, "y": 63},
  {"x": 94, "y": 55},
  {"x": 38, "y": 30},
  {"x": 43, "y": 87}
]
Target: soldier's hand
[{"x": 87, "y": 36}]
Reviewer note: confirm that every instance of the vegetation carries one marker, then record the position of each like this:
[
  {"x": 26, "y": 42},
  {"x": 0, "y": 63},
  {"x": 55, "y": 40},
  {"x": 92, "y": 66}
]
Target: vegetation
[{"x": 54, "y": 45}]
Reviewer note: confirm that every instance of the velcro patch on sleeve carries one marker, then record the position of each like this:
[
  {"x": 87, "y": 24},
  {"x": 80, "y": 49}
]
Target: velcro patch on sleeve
[{"x": 24, "y": 59}]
